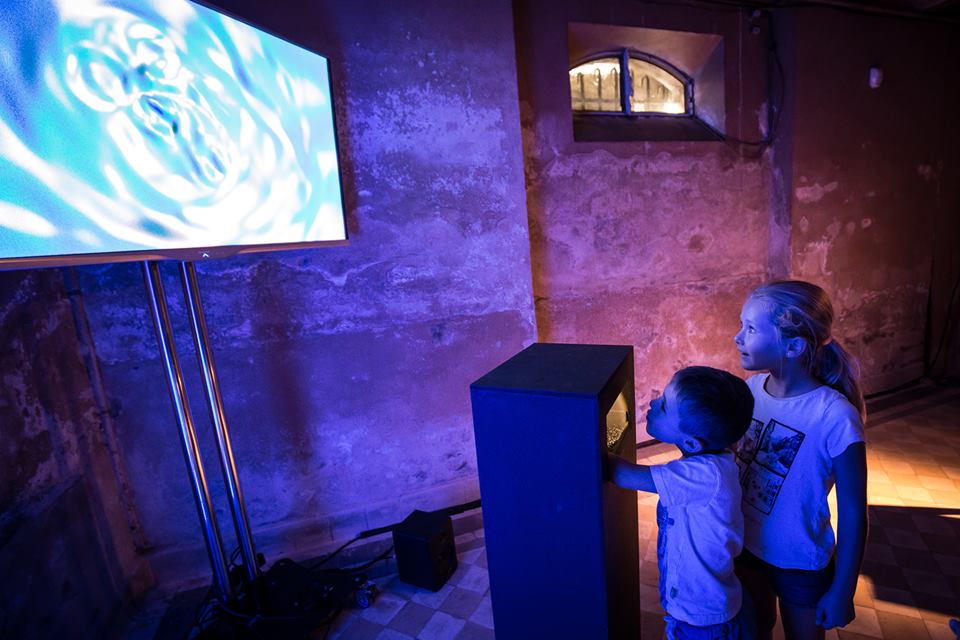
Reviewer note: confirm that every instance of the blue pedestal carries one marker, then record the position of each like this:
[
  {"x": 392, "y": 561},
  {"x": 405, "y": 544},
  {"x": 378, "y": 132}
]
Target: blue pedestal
[{"x": 561, "y": 542}]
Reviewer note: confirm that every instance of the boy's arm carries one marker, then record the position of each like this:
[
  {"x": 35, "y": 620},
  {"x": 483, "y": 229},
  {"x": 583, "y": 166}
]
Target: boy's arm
[
  {"x": 629, "y": 475},
  {"x": 835, "y": 608}
]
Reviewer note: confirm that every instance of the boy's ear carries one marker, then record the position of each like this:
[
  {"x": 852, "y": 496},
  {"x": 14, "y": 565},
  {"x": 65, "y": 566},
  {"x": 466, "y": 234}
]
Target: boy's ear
[
  {"x": 795, "y": 347},
  {"x": 693, "y": 444}
]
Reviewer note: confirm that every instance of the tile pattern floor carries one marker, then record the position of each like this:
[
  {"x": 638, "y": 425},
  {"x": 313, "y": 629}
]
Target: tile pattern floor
[
  {"x": 909, "y": 586},
  {"x": 460, "y": 610}
]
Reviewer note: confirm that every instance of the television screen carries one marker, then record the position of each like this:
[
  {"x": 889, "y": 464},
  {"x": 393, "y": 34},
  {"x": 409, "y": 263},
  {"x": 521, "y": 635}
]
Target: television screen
[{"x": 158, "y": 128}]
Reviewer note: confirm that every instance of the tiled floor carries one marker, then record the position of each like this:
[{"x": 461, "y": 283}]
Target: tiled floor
[
  {"x": 459, "y": 610},
  {"x": 909, "y": 586}
]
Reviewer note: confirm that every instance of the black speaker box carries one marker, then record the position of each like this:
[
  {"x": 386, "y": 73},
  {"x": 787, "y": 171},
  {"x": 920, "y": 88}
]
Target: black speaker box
[{"x": 426, "y": 556}]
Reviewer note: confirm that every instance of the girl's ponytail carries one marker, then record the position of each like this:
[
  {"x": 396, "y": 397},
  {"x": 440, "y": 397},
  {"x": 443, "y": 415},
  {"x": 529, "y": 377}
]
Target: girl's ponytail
[
  {"x": 836, "y": 367},
  {"x": 802, "y": 309}
]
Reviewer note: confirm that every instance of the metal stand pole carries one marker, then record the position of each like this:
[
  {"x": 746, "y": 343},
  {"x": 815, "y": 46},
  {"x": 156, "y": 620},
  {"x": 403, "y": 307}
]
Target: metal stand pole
[
  {"x": 201, "y": 341},
  {"x": 191, "y": 452}
]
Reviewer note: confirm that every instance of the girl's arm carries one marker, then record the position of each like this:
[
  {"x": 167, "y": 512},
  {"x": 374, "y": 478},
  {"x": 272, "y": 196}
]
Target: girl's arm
[
  {"x": 629, "y": 475},
  {"x": 835, "y": 608}
]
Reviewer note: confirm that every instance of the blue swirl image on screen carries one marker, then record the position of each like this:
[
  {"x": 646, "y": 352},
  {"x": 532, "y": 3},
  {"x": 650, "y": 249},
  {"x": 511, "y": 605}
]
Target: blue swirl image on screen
[{"x": 144, "y": 125}]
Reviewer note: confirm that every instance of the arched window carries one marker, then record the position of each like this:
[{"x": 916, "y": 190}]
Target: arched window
[{"x": 630, "y": 83}]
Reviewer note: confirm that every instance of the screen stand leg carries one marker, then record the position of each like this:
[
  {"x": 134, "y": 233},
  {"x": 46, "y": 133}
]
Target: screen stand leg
[
  {"x": 290, "y": 600},
  {"x": 188, "y": 436},
  {"x": 201, "y": 342}
]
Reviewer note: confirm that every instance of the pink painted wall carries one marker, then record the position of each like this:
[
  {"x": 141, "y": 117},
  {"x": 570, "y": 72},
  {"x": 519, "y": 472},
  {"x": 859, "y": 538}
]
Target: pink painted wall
[
  {"x": 875, "y": 188},
  {"x": 653, "y": 244},
  {"x": 656, "y": 243}
]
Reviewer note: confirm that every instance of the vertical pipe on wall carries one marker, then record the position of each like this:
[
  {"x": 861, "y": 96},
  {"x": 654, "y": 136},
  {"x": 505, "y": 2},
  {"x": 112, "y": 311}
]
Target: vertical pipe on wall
[
  {"x": 191, "y": 451},
  {"x": 201, "y": 340},
  {"x": 107, "y": 427},
  {"x": 780, "y": 92}
]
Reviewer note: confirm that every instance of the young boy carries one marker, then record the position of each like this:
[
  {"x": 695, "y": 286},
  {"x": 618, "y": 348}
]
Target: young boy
[{"x": 703, "y": 411}]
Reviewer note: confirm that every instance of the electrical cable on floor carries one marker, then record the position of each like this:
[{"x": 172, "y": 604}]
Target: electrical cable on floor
[
  {"x": 255, "y": 617},
  {"x": 329, "y": 623},
  {"x": 211, "y": 610},
  {"x": 336, "y": 552},
  {"x": 358, "y": 568},
  {"x": 369, "y": 533}
]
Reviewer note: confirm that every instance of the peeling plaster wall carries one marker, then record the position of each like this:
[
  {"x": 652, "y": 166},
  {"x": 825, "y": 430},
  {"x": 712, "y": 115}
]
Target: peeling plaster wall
[
  {"x": 943, "y": 350},
  {"x": 67, "y": 545},
  {"x": 875, "y": 188},
  {"x": 345, "y": 370},
  {"x": 653, "y": 244}
]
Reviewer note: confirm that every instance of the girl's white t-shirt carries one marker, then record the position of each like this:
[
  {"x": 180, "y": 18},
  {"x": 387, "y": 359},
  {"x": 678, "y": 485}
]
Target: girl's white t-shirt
[
  {"x": 700, "y": 532},
  {"x": 786, "y": 473}
]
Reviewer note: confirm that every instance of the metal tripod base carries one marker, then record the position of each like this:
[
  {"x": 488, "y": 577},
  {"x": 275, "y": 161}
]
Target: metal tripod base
[{"x": 188, "y": 437}]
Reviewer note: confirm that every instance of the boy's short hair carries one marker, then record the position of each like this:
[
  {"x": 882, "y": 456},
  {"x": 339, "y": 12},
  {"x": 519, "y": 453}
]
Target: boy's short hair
[{"x": 715, "y": 405}]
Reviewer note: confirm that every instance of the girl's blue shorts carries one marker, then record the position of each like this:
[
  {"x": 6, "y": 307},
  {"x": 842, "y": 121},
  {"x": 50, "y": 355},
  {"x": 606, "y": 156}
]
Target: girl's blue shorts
[{"x": 799, "y": 587}]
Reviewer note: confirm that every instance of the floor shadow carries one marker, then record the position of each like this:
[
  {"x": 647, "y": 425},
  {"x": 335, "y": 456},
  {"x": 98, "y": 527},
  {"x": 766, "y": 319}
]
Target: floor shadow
[{"x": 913, "y": 557}]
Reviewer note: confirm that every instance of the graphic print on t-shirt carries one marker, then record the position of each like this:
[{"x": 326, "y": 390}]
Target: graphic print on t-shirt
[
  {"x": 664, "y": 522},
  {"x": 748, "y": 443},
  {"x": 765, "y": 456}
]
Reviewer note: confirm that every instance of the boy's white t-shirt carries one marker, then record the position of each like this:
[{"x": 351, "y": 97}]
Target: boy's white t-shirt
[
  {"x": 700, "y": 533},
  {"x": 786, "y": 473}
]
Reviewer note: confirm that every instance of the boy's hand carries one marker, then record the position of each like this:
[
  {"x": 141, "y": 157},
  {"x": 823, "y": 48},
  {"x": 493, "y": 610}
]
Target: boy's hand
[
  {"x": 609, "y": 468},
  {"x": 835, "y": 609},
  {"x": 628, "y": 475}
]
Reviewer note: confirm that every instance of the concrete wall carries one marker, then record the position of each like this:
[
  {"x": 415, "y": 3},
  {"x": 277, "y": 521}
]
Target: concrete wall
[
  {"x": 875, "y": 194},
  {"x": 68, "y": 536},
  {"x": 345, "y": 370},
  {"x": 653, "y": 244}
]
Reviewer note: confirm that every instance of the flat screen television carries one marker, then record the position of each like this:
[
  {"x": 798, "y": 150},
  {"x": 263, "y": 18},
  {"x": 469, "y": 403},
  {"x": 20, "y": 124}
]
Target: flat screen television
[{"x": 150, "y": 129}]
